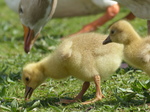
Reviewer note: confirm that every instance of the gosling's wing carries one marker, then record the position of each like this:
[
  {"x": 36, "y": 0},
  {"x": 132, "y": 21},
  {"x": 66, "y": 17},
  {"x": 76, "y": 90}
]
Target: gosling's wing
[
  {"x": 65, "y": 50},
  {"x": 145, "y": 52}
]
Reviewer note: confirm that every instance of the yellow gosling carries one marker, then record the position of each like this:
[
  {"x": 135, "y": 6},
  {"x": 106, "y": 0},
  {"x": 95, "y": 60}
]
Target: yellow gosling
[
  {"x": 136, "y": 49},
  {"x": 82, "y": 56}
]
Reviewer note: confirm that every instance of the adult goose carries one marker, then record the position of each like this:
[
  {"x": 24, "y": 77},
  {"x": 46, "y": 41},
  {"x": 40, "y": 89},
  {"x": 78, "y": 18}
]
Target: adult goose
[{"x": 33, "y": 19}]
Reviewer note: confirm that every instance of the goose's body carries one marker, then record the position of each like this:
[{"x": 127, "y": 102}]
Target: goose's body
[
  {"x": 82, "y": 56},
  {"x": 140, "y": 8},
  {"x": 71, "y": 8},
  {"x": 136, "y": 49}
]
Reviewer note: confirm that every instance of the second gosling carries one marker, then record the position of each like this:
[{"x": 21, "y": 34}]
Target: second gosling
[
  {"x": 82, "y": 56},
  {"x": 136, "y": 49}
]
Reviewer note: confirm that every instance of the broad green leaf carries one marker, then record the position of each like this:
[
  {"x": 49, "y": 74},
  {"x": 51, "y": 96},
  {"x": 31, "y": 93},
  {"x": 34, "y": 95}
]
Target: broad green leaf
[
  {"x": 37, "y": 103},
  {"x": 3, "y": 91},
  {"x": 126, "y": 90},
  {"x": 5, "y": 108},
  {"x": 9, "y": 80},
  {"x": 148, "y": 84},
  {"x": 56, "y": 109},
  {"x": 14, "y": 105}
]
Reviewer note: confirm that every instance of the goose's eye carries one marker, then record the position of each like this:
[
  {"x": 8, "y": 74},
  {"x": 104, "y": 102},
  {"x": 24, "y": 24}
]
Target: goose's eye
[
  {"x": 27, "y": 79},
  {"x": 20, "y": 10},
  {"x": 112, "y": 31}
]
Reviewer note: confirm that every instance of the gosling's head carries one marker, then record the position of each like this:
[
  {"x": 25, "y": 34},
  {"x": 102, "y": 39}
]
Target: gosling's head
[
  {"x": 32, "y": 77},
  {"x": 120, "y": 32}
]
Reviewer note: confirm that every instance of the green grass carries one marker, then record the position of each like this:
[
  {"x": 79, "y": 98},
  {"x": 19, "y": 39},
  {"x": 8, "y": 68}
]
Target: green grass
[{"x": 126, "y": 91}]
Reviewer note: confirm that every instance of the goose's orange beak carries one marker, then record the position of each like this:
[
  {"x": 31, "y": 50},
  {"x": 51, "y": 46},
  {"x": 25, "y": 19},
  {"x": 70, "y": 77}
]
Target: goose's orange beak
[{"x": 29, "y": 38}]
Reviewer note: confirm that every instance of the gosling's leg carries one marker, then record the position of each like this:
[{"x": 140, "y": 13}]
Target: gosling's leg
[
  {"x": 79, "y": 96},
  {"x": 99, "y": 94},
  {"x": 84, "y": 88}
]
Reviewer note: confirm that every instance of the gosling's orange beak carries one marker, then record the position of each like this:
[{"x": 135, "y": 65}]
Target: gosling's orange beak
[
  {"x": 28, "y": 92},
  {"x": 28, "y": 38}
]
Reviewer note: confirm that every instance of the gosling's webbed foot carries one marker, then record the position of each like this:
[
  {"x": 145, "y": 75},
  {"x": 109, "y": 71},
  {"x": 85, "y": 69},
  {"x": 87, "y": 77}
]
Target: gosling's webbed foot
[{"x": 93, "y": 100}]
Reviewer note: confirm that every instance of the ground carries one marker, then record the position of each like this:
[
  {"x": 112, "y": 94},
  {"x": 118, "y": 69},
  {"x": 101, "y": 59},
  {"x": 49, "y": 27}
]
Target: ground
[{"x": 127, "y": 90}]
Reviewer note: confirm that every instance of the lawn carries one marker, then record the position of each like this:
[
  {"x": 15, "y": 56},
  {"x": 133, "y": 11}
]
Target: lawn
[{"x": 126, "y": 91}]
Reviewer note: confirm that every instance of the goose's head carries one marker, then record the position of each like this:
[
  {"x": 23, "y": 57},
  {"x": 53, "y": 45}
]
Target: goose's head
[
  {"x": 34, "y": 14},
  {"x": 32, "y": 77},
  {"x": 120, "y": 32}
]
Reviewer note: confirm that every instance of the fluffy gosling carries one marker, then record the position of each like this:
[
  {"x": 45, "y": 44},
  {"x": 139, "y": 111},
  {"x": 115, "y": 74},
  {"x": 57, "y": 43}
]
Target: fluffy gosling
[
  {"x": 136, "y": 49},
  {"x": 82, "y": 56}
]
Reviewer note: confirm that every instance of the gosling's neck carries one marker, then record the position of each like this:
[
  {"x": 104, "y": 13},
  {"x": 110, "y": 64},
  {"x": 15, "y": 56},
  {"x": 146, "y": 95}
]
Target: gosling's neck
[
  {"x": 133, "y": 38},
  {"x": 52, "y": 67}
]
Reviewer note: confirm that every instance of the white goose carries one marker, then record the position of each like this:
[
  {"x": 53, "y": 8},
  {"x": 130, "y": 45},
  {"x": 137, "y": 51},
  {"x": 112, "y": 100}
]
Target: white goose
[{"x": 65, "y": 8}]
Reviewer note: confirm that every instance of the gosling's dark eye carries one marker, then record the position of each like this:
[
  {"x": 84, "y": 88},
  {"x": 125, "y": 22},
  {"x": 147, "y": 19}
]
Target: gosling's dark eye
[
  {"x": 20, "y": 10},
  {"x": 112, "y": 31},
  {"x": 27, "y": 78}
]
